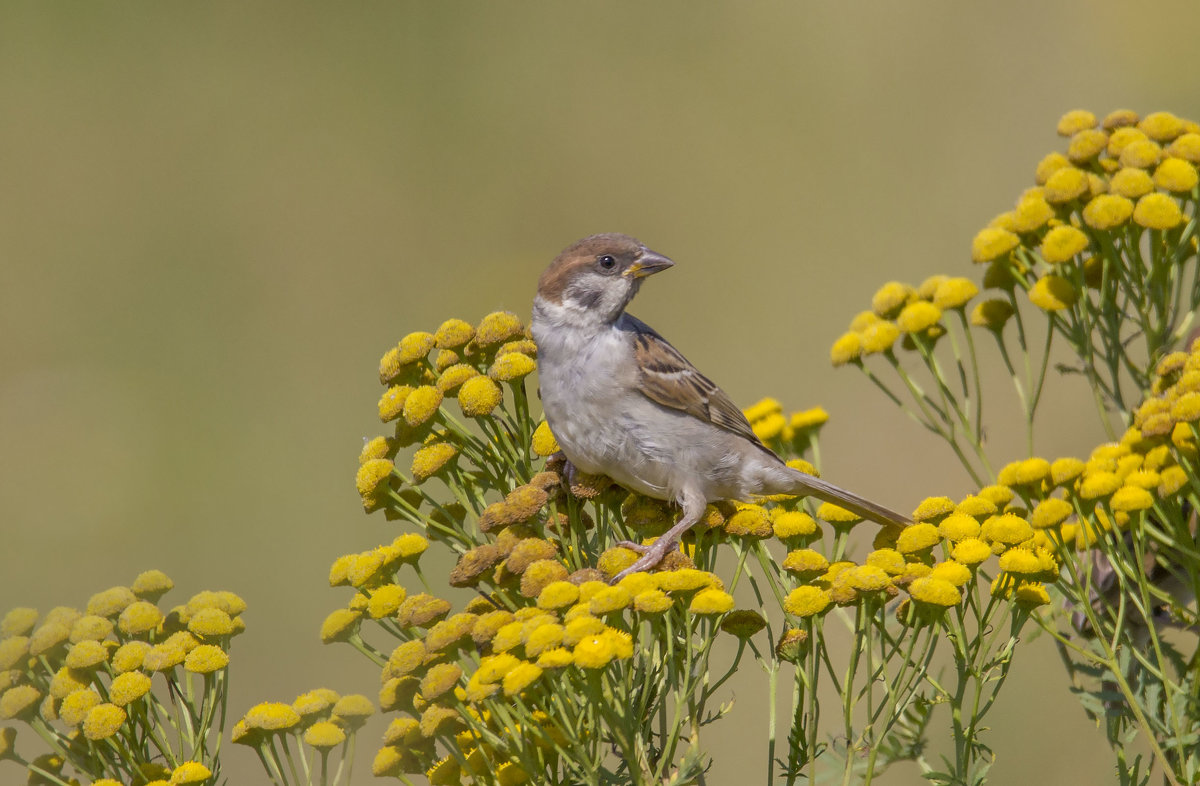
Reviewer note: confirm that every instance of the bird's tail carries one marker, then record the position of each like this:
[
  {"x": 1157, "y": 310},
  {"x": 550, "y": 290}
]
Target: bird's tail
[{"x": 810, "y": 485}]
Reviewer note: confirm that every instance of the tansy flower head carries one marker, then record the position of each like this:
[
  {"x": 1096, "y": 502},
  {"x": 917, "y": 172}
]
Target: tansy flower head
[
  {"x": 879, "y": 337},
  {"x": 421, "y": 405},
  {"x": 594, "y": 652},
  {"x": 954, "y": 293},
  {"x": 324, "y": 735},
  {"x": 340, "y": 625},
  {"x": 1157, "y": 211},
  {"x": 890, "y": 298},
  {"x": 102, "y": 721},
  {"x": 1175, "y": 174},
  {"x": 1050, "y": 163},
  {"x": 933, "y": 508},
  {"x": 1140, "y": 153},
  {"x": 391, "y": 403},
  {"x": 1086, "y": 145},
  {"x": 1050, "y": 513},
  {"x": 806, "y": 601},
  {"x": 991, "y": 314},
  {"x": 793, "y": 526},
  {"x": 1161, "y": 126},
  {"x": 511, "y": 366},
  {"x": 1020, "y": 561},
  {"x": 752, "y": 521},
  {"x": 1065, "y": 184},
  {"x": 440, "y": 678},
  {"x": 453, "y": 333},
  {"x": 970, "y": 551},
  {"x": 1062, "y": 243},
  {"x": 934, "y": 592},
  {"x": 422, "y": 610},
  {"x": 711, "y": 601},
  {"x": 1131, "y": 183},
  {"x": 18, "y": 622},
  {"x": 743, "y": 623},
  {"x": 889, "y": 561},
  {"x": 1031, "y": 213},
  {"x": 91, "y": 627},
  {"x": 543, "y": 442},
  {"x": 110, "y": 602},
  {"x": 431, "y": 459},
  {"x": 652, "y": 601},
  {"x": 497, "y": 327},
  {"x": 540, "y": 574},
  {"x": 992, "y": 243},
  {"x": 1075, "y": 121},
  {"x": 837, "y": 516},
  {"x": 977, "y": 506},
  {"x": 791, "y": 645},
  {"x": 1065, "y": 470},
  {"x": 959, "y": 526},
  {"x": 1095, "y": 485},
  {"x": 1119, "y": 118},
  {"x": 846, "y": 349},
  {"x": 916, "y": 538},
  {"x": 808, "y": 420},
  {"x": 865, "y": 578},
  {"x": 1131, "y": 498},
  {"x": 128, "y": 687},
  {"x": 1186, "y": 147},
  {"x": 1007, "y": 529},
  {"x": 479, "y": 396},
  {"x": 206, "y": 659},
  {"x": 686, "y": 580},
  {"x": 918, "y": 316},
  {"x": 521, "y": 677},
  {"x": 1053, "y": 293},
  {"x": 454, "y": 377}
]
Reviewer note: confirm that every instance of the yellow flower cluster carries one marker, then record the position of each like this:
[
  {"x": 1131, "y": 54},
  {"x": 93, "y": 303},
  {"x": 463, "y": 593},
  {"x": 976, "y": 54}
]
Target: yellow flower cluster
[
  {"x": 321, "y": 719},
  {"x": 423, "y": 373},
  {"x": 91, "y": 671},
  {"x": 774, "y": 428},
  {"x": 900, "y": 312},
  {"x": 1118, "y": 177}
]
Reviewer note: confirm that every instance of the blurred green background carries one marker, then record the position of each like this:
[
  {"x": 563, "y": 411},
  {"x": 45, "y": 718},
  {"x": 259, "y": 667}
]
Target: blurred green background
[{"x": 215, "y": 217}]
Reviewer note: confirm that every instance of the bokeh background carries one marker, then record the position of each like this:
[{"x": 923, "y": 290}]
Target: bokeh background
[{"x": 215, "y": 217}]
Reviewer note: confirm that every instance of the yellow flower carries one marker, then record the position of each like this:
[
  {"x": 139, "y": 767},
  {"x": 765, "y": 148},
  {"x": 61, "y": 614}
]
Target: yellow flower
[
  {"x": 102, "y": 721},
  {"x": 970, "y": 551},
  {"x": 421, "y": 404},
  {"x": 991, "y": 243},
  {"x": 594, "y": 652},
  {"x": 1050, "y": 163},
  {"x": 110, "y": 602},
  {"x": 1119, "y": 118},
  {"x": 1173, "y": 478},
  {"x": 1157, "y": 211},
  {"x": 976, "y": 506},
  {"x": 340, "y": 625},
  {"x": 808, "y": 420},
  {"x": 991, "y": 314},
  {"x": 557, "y": 595},
  {"x": 917, "y": 316},
  {"x": 1140, "y": 153},
  {"x": 751, "y": 521},
  {"x": 19, "y": 702},
  {"x": 917, "y": 537},
  {"x": 544, "y": 443},
  {"x": 453, "y": 333},
  {"x": 932, "y": 508},
  {"x": 1062, "y": 243},
  {"x": 190, "y": 772},
  {"x": 651, "y": 601},
  {"x": 891, "y": 297},
  {"x": 1020, "y": 561},
  {"x": 128, "y": 687},
  {"x": 555, "y": 658},
  {"x": 539, "y": 575},
  {"x": 956, "y": 573},
  {"x": 437, "y": 719},
  {"x": 65, "y": 682},
  {"x": 839, "y": 517},
  {"x": 806, "y": 601},
  {"x": 864, "y": 578},
  {"x": 1107, "y": 211},
  {"x": 1175, "y": 174},
  {"x": 1053, "y": 293},
  {"x": 1032, "y": 213},
  {"x": 440, "y": 678},
  {"x": 1065, "y": 470},
  {"x": 609, "y": 599},
  {"x": 846, "y": 349},
  {"x": 1050, "y": 513},
  {"x": 958, "y": 526},
  {"x": 129, "y": 656},
  {"x": 954, "y": 293},
  {"x": 1131, "y": 183},
  {"x": 769, "y": 427},
  {"x": 18, "y": 622},
  {"x": 206, "y": 659},
  {"x": 1131, "y": 498},
  {"x": 1031, "y": 594},
  {"x": 512, "y": 366},
  {"x": 879, "y": 337},
  {"x": 1086, "y": 145},
  {"x": 889, "y": 561},
  {"x": 479, "y": 396},
  {"x": 325, "y": 734},
  {"x": 1186, "y": 147},
  {"x": 711, "y": 601},
  {"x": 454, "y": 377},
  {"x": 1075, "y": 121},
  {"x": 686, "y": 580},
  {"x": 520, "y": 677},
  {"x": 1006, "y": 528},
  {"x": 545, "y": 636},
  {"x": 271, "y": 716},
  {"x": 934, "y": 592},
  {"x": 391, "y": 403},
  {"x": 743, "y": 623},
  {"x": 86, "y": 654},
  {"x": 497, "y": 327},
  {"x": 211, "y": 622},
  {"x": 138, "y": 618},
  {"x": 1098, "y": 484},
  {"x": 431, "y": 459},
  {"x": 788, "y": 525},
  {"x": 1065, "y": 184},
  {"x": 1162, "y": 126},
  {"x": 77, "y": 705},
  {"x": 1184, "y": 439}
]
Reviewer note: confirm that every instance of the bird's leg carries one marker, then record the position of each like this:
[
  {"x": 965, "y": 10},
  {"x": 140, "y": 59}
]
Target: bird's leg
[{"x": 693, "y": 508}]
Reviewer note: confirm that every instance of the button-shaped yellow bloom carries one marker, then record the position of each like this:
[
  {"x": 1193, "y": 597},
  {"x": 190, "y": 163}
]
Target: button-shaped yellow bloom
[
  {"x": 991, "y": 243},
  {"x": 917, "y": 537},
  {"x": 497, "y": 327},
  {"x": 954, "y": 293},
  {"x": 1157, "y": 211},
  {"x": 1162, "y": 126},
  {"x": 1065, "y": 184},
  {"x": 1053, "y": 293},
  {"x": 453, "y": 333},
  {"x": 512, "y": 366},
  {"x": 934, "y": 592},
  {"x": 1175, "y": 174},
  {"x": 206, "y": 659},
  {"x": 918, "y": 316},
  {"x": 103, "y": 721},
  {"x": 479, "y": 396},
  {"x": 1075, "y": 121},
  {"x": 1086, "y": 145},
  {"x": 1062, "y": 243},
  {"x": 806, "y": 601},
  {"x": 991, "y": 314}
]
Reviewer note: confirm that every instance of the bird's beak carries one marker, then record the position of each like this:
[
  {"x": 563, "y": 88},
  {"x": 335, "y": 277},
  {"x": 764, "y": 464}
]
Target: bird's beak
[{"x": 648, "y": 264}]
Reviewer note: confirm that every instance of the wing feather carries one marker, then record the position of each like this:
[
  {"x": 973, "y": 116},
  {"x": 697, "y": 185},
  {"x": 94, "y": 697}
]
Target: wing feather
[{"x": 667, "y": 377}]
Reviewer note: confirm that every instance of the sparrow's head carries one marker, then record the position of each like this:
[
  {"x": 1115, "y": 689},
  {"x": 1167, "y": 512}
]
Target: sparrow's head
[{"x": 599, "y": 275}]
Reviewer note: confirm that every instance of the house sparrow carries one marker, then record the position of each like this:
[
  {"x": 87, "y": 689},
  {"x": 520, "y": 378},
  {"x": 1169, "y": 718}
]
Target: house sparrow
[{"x": 623, "y": 402}]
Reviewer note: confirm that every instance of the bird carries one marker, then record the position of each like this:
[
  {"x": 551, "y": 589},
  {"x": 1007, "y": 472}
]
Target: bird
[{"x": 621, "y": 401}]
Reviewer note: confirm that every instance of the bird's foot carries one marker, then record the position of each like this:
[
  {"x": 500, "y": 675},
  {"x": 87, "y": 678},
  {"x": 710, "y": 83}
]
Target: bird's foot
[{"x": 651, "y": 556}]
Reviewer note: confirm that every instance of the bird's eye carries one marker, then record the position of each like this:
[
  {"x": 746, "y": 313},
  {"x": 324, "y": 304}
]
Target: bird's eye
[{"x": 607, "y": 262}]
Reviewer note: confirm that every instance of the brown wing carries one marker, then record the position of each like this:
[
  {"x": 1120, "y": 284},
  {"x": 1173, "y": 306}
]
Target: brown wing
[{"x": 669, "y": 379}]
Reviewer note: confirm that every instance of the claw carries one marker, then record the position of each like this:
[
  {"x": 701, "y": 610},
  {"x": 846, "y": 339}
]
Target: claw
[{"x": 651, "y": 556}]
